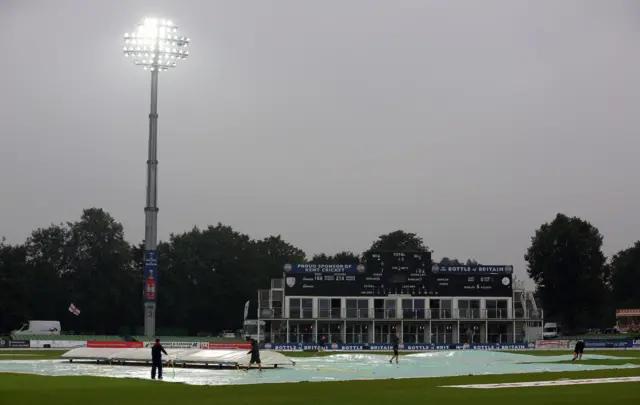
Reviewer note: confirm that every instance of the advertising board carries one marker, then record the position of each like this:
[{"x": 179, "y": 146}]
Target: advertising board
[
  {"x": 22, "y": 344},
  {"x": 114, "y": 344},
  {"x": 18, "y": 344},
  {"x": 382, "y": 347},
  {"x": 283, "y": 347},
  {"x": 150, "y": 275},
  {"x": 608, "y": 344},
  {"x": 57, "y": 344},
  {"x": 225, "y": 345},
  {"x": 552, "y": 344},
  {"x": 175, "y": 345}
]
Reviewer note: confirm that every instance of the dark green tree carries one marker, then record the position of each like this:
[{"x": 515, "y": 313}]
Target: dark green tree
[
  {"x": 199, "y": 272},
  {"x": 625, "y": 277},
  {"x": 566, "y": 262},
  {"x": 207, "y": 275},
  {"x": 102, "y": 280},
  {"x": 274, "y": 252},
  {"x": 339, "y": 258},
  {"x": 49, "y": 266},
  {"x": 445, "y": 261},
  {"x": 15, "y": 282},
  {"x": 398, "y": 241}
]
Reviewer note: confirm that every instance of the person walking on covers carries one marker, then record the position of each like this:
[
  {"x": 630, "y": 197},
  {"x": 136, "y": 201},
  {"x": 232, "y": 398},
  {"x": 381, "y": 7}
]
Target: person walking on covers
[
  {"x": 255, "y": 355},
  {"x": 156, "y": 359},
  {"x": 578, "y": 350},
  {"x": 395, "y": 342}
]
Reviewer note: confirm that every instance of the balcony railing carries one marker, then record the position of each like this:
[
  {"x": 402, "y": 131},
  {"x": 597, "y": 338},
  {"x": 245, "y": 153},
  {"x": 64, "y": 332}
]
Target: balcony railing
[
  {"x": 357, "y": 313},
  {"x": 333, "y": 313},
  {"x": 305, "y": 313},
  {"x": 408, "y": 314},
  {"x": 374, "y": 338}
]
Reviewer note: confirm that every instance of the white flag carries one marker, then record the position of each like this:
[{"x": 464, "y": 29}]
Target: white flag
[
  {"x": 246, "y": 309},
  {"x": 74, "y": 310}
]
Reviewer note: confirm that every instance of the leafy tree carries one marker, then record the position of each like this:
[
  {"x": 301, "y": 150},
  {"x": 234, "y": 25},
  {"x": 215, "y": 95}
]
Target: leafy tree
[
  {"x": 14, "y": 287},
  {"x": 625, "y": 277},
  {"x": 103, "y": 283},
  {"x": 87, "y": 263},
  {"x": 201, "y": 278},
  {"x": 272, "y": 254},
  {"x": 566, "y": 262},
  {"x": 275, "y": 252},
  {"x": 47, "y": 264},
  {"x": 399, "y": 241},
  {"x": 205, "y": 277},
  {"x": 339, "y": 258},
  {"x": 209, "y": 274},
  {"x": 445, "y": 261}
]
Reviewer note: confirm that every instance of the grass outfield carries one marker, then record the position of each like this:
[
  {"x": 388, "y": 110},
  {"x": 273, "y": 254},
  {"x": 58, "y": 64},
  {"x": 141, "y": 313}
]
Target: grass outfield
[
  {"x": 31, "y": 354},
  {"x": 18, "y": 389},
  {"x": 23, "y": 389}
]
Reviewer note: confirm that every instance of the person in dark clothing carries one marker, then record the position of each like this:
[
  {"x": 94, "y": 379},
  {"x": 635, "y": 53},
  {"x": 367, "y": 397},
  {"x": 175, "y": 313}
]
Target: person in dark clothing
[
  {"x": 578, "y": 350},
  {"x": 395, "y": 341},
  {"x": 156, "y": 359},
  {"x": 255, "y": 355},
  {"x": 322, "y": 344}
]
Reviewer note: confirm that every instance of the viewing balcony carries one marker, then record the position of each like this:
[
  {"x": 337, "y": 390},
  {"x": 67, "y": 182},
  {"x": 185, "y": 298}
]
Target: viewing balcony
[{"x": 409, "y": 315}]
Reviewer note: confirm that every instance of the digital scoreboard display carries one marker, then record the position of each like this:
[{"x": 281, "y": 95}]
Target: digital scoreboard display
[{"x": 390, "y": 274}]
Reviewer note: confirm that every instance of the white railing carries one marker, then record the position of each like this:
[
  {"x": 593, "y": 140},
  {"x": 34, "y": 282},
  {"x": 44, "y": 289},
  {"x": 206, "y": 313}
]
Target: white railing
[{"x": 410, "y": 314}]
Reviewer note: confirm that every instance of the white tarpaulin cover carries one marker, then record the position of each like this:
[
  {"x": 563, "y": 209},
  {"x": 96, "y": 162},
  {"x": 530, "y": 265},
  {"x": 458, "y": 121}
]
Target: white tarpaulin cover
[
  {"x": 338, "y": 367},
  {"x": 191, "y": 356}
]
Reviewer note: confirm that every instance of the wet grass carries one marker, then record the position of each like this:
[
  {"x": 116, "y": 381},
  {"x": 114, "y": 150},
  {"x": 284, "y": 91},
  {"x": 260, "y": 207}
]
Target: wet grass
[
  {"x": 625, "y": 357},
  {"x": 31, "y": 354},
  {"x": 36, "y": 390},
  {"x": 616, "y": 353}
]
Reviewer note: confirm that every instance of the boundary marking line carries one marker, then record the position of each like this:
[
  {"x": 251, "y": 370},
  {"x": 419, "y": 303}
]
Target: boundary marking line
[{"x": 549, "y": 383}]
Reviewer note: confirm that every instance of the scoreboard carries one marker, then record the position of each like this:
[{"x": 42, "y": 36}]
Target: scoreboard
[{"x": 389, "y": 274}]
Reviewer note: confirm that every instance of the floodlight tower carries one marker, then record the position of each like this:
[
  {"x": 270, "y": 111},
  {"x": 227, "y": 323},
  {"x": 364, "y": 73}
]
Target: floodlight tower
[{"x": 156, "y": 46}]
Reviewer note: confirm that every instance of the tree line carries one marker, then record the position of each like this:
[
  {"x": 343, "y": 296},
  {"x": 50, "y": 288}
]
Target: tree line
[
  {"x": 206, "y": 275},
  {"x": 577, "y": 285}
]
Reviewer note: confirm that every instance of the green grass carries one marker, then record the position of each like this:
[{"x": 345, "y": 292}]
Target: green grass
[
  {"x": 35, "y": 390},
  {"x": 541, "y": 353},
  {"x": 23, "y": 389},
  {"x": 31, "y": 354},
  {"x": 613, "y": 353},
  {"x": 626, "y": 357}
]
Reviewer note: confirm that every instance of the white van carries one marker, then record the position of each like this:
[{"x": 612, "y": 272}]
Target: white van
[
  {"x": 551, "y": 330},
  {"x": 39, "y": 328},
  {"x": 251, "y": 329}
]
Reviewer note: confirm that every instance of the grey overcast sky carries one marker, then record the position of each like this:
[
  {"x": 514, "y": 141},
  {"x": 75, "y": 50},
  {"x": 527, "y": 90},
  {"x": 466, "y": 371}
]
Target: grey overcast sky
[{"x": 330, "y": 122}]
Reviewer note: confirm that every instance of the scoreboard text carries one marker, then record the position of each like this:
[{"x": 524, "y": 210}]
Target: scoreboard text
[{"x": 397, "y": 274}]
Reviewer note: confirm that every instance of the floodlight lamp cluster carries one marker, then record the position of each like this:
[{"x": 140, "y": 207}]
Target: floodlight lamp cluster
[{"x": 156, "y": 45}]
